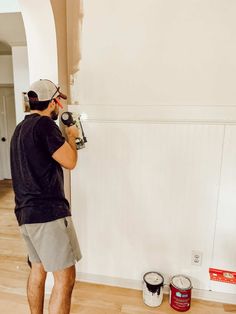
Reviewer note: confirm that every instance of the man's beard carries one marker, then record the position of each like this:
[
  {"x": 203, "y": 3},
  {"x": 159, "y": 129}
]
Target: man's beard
[{"x": 54, "y": 115}]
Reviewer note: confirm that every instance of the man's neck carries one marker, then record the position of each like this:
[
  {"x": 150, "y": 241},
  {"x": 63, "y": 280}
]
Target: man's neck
[{"x": 41, "y": 112}]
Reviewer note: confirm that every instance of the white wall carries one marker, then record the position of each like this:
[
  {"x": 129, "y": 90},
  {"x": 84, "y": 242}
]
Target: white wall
[
  {"x": 41, "y": 39},
  {"x": 7, "y": 114},
  {"x": 154, "y": 182},
  {"x": 6, "y": 70},
  {"x": 21, "y": 78},
  {"x": 224, "y": 254},
  {"x": 158, "y": 52},
  {"x": 144, "y": 197},
  {"x": 7, "y": 6}
]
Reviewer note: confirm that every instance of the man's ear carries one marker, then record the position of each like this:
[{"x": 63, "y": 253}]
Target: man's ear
[{"x": 52, "y": 105}]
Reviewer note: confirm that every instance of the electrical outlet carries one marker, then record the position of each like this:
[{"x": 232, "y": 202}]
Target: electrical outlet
[{"x": 196, "y": 258}]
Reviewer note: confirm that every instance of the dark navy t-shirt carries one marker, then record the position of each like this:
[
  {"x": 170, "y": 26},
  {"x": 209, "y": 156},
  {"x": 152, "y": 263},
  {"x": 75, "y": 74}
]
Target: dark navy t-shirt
[{"x": 37, "y": 178}]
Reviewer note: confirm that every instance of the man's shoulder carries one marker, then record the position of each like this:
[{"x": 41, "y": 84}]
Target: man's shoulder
[
  {"x": 46, "y": 122},
  {"x": 46, "y": 119}
]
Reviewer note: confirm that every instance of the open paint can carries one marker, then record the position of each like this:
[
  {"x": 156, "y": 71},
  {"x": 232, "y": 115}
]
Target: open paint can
[
  {"x": 153, "y": 288},
  {"x": 180, "y": 293}
]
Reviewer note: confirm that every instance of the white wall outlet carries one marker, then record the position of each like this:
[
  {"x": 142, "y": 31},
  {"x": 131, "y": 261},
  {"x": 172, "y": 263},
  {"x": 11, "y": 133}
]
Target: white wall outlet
[{"x": 196, "y": 258}]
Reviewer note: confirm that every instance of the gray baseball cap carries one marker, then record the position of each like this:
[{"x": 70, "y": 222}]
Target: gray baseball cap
[{"x": 44, "y": 90}]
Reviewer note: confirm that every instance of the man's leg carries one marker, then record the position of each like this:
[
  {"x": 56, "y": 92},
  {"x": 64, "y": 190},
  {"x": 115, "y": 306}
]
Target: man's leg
[
  {"x": 60, "y": 300},
  {"x": 35, "y": 288}
]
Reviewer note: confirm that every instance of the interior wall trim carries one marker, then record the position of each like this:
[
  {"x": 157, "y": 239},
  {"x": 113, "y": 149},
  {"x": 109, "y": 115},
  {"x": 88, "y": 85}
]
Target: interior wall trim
[
  {"x": 199, "y": 114},
  {"x": 207, "y": 295},
  {"x": 7, "y": 85},
  {"x": 201, "y": 294}
]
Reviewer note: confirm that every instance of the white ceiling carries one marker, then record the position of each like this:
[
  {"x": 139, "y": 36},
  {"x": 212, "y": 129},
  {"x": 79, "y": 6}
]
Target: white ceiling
[{"x": 12, "y": 29}]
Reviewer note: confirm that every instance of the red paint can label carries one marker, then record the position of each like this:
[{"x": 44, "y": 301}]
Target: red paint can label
[{"x": 180, "y": 293}]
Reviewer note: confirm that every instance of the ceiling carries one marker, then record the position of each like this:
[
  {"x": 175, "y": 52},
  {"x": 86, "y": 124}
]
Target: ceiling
[{"x": 12, "y": 31}]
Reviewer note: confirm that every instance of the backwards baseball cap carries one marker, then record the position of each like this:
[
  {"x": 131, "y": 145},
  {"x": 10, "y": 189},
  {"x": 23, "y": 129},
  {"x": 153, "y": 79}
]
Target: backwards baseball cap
[{"x": 45, "y": 90}]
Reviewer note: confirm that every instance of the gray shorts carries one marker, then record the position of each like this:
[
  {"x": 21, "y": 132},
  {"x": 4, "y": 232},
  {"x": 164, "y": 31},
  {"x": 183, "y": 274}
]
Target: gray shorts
[{"x": 54, "y": 243}]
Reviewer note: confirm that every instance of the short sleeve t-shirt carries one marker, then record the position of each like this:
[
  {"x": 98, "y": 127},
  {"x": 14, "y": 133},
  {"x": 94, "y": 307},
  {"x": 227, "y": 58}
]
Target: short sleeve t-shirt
[{"x": 37, "y": 178}]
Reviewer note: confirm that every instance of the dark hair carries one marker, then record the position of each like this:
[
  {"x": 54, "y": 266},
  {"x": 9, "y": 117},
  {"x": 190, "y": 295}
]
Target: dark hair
[
  {"x": 34, "y": 102},
  {"x": 39, "y": 105}
]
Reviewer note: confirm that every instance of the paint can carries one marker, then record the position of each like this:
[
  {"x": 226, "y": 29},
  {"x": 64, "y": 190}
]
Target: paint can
[
  {"x": 180, "y": 293},
  {"x": 153, "y": 288}
]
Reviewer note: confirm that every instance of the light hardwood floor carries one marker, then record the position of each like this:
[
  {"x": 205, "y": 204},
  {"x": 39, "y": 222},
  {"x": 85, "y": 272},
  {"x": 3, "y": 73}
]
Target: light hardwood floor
[{"x": 87, "y": 298}]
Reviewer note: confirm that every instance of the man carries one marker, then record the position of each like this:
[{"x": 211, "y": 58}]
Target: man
[{"x": 38, "y": 150}]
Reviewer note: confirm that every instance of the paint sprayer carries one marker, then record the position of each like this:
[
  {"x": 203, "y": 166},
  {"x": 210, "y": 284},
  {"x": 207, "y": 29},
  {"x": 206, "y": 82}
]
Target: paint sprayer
[{"x": 69, "y": 119}]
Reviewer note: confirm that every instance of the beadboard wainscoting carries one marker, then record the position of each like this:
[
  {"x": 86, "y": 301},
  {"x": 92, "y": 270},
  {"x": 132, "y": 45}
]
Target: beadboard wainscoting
[{"x": 149, "y": 190}]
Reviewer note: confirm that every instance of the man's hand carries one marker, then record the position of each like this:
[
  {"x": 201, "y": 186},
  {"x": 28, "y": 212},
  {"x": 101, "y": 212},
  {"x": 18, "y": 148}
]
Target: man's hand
[{"x": 72, "y": 131}]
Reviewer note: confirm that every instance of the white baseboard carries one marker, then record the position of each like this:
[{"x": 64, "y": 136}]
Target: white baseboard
[
  {"x": 229, "y": 298},
  {"x": 110, "y": 281},
  {"x": 214, "y": 296}
]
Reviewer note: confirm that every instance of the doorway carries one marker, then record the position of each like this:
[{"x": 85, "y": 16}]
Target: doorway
[{"x": 7, "y": 126}]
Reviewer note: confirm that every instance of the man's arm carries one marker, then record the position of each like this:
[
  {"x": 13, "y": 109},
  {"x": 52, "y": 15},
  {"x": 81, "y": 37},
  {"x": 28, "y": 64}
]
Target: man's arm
[{"x": 66, "y": 155}]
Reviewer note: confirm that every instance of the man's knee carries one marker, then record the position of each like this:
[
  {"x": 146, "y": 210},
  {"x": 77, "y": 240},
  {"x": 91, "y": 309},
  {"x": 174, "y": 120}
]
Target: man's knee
[
  {"x": 37, "y": 273},
  {"x": 65, "y": 279}
]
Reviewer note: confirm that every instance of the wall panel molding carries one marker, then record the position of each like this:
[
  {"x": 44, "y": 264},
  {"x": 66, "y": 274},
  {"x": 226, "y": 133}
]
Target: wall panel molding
[{"x": 202, "y": 114}]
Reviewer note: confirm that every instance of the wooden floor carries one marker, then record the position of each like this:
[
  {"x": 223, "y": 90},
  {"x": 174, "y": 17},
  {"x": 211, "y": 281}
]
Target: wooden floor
[{"x": 87, "y": 298}]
